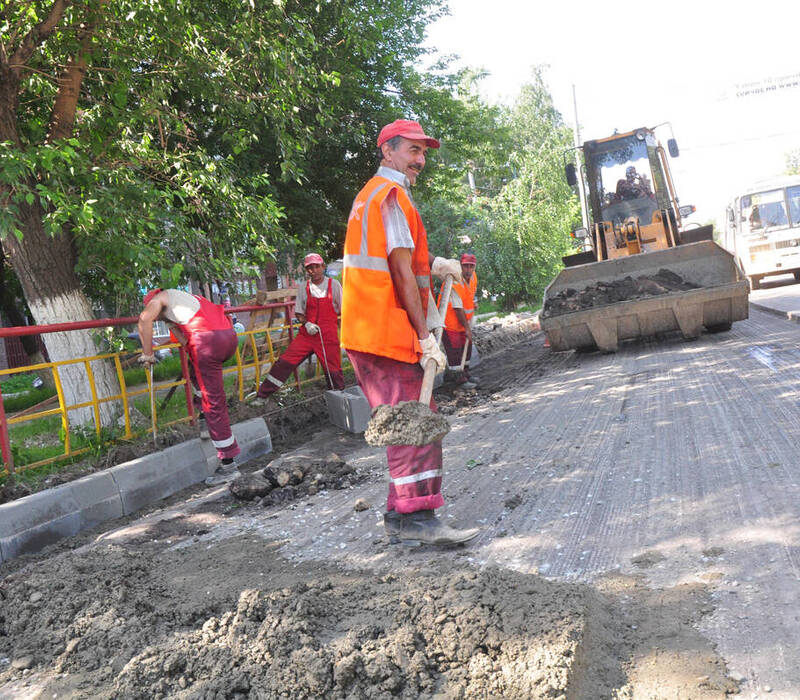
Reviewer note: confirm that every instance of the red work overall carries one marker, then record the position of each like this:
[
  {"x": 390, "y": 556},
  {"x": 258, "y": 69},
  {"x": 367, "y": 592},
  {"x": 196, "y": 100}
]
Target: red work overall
[
  {"x": 325, "y": 345},
  {"x": 210, "y": 341}
]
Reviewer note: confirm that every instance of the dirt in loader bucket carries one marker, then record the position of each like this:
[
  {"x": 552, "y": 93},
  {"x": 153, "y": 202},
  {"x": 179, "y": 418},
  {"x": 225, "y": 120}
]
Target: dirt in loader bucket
[{"x": 625, "y": 289}]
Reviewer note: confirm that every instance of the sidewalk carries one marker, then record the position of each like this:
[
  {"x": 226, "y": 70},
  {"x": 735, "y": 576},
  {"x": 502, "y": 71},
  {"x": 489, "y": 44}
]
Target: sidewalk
[{"x": 779, "y": 296}]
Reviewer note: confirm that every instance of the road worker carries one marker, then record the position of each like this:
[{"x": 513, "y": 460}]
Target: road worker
[
  {"x": 317, "y": 308},
  {"x": 458, "y": 323},
  {"x": 203, "y": 328},
  {"x": 385, "y": 321}
]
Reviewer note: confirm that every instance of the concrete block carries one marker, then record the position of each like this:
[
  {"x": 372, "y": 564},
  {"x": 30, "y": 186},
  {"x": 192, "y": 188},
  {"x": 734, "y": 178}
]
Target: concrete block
[
  {"x": 253, "y": 437},
  {"x": 98, "y": 497},
  {"x": 31, "y": 523},
  {"x": 348, "y": 409},
  {"x": 155, "y": 476}
]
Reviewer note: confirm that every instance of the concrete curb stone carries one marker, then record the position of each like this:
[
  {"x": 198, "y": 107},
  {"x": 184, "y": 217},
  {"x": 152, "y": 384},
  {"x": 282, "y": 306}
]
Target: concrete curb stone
[
  {"x": 31, "y": 523},
  {"x": 793, "y": 316}
]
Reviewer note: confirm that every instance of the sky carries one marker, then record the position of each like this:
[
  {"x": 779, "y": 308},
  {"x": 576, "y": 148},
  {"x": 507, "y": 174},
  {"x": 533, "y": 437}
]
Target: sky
[{"x": 726, "y": 76}]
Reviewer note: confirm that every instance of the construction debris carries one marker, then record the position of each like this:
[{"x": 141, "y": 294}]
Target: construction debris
[
  {"x": 626, "y": 289},
  {"x": 286, "y": 479}
]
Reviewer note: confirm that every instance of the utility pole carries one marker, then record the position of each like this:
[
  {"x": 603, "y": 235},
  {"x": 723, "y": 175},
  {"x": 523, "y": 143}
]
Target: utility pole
[{"x": 578, "y": 170}]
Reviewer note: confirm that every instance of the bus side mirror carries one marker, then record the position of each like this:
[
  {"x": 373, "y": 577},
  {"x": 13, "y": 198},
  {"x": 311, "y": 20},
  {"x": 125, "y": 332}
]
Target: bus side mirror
[
  {"x": 572, "y": 178},
  {"x": 672, "y": 147}
]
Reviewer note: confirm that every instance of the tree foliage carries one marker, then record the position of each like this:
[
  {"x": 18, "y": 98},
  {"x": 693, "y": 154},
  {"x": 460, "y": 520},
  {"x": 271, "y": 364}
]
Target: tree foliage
[
  {"x": 518, "y": 219},
  {"x": 793, "y": 162},
  {"x": 147, "y": 171}
]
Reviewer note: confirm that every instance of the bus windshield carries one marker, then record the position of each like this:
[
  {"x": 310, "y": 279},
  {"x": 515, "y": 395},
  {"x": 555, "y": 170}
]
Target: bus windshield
[{"x": 764, "y": 210}]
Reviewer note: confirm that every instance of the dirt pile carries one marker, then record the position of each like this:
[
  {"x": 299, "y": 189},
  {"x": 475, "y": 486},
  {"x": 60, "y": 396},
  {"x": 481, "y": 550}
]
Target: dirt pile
[
  {"x": 406, "y": 423},
  {"x": 114, "y": 622},
  {"x": 498, "y": 333},
  {"x": 288, "y": 478},
  {"x": 626, "y": 289}
]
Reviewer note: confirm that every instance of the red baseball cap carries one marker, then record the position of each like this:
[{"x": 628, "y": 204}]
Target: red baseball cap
[
  {"x": 468, "y": 258},
  {"x": 408, "y": 130},
  {"x": 149, "y": 296},
  {"x": 312, "y": 258}
]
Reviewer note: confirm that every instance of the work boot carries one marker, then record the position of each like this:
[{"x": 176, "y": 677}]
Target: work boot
[
  {"x": 253, "y": 399},
  {"x": 226, "y": 471},
  {"x": 391, "y": 523},
  {"x": 423, "y": 527}
]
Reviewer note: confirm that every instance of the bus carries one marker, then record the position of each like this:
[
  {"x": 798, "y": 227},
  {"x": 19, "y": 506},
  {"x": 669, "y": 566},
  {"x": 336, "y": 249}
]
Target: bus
[{"x": 762, "y": 229}]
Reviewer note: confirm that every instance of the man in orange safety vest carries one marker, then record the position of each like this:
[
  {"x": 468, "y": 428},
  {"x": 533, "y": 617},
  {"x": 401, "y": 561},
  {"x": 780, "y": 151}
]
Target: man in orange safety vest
[
  {"x": 387, "y": 314},
  {"x": 458, "y": 323}
]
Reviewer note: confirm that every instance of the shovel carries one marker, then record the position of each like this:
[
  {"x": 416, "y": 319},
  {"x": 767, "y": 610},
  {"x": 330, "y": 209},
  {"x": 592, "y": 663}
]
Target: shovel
[
  {"x": 152, "y": 404},
  {"x": 412, "y": 422}
]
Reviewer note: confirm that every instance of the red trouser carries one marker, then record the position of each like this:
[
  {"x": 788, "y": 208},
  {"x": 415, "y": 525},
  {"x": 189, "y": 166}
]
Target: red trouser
[
  {"x": 207, "y": 351},
  {"x": 302, "y": 347},
  {"x": 415, "y": 473},
  {"x": 453, "y": 342}
]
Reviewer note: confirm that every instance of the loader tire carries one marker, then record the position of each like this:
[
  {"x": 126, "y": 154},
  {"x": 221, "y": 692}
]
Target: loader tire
[{"x": 719, "y": 327}]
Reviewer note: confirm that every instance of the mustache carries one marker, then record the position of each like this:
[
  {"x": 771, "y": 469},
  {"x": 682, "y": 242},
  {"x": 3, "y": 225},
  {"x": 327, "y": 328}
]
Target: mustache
[{"x": 417, "y": 168}]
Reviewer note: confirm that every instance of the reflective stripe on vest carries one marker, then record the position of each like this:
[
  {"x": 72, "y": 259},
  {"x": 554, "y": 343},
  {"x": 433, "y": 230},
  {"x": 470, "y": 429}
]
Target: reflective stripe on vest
[
  {"x": 373, "y": 320},
  {"x": 467, "y": 294}
]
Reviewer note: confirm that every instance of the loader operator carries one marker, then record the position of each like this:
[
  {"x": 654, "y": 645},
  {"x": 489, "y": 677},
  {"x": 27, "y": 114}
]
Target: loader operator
[
  {"x": 458, "y": 323},
  {"x": 317, "y": 308},
  {"x": 203, "y": 328},
  {"x": 633, "y": 186},
  {"x": 385, "y": 330}
]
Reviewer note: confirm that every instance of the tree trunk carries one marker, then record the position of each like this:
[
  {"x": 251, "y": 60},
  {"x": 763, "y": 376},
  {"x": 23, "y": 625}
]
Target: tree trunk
[{"x": 45, "y": 267}]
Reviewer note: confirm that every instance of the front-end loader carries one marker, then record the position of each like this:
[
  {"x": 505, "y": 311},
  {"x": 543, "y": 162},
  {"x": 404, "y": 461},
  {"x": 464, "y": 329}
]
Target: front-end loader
[{"x": 636, "y": 231}]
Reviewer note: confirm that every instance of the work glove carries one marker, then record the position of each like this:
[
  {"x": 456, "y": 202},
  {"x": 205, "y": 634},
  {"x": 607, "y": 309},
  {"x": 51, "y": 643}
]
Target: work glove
[
  {"x": 442, "y": 267},
  {"x": 432, "y": 351},
  {"x": 147, "y": 360},
  {"x": 312, "y": 328}
]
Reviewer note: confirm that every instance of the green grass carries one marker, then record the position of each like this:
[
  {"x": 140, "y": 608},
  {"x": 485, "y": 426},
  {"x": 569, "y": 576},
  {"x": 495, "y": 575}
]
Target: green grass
[{"x": 21, "y": 381}]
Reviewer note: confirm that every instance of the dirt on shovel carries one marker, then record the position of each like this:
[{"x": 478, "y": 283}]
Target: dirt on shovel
[{"x": 405, "y": 423}]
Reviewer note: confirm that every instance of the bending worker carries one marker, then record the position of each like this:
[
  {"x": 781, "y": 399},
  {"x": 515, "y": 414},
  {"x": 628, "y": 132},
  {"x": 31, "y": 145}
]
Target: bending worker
[
  {"x": 317, "y": 308},
  {"x": 458, "y": 322},
  {"x": 204, "y": 329},
  {"x": 387, "y": 272}
]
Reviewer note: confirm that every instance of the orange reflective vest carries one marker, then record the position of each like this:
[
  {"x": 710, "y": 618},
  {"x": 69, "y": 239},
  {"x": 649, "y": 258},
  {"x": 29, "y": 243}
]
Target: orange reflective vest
[
  {"x": 373, "y": 320},
  {"x": 466, "y": 291}
]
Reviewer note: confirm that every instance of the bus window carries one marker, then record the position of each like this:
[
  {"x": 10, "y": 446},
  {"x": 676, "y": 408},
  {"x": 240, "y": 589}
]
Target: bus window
[
  {"x": 793, "y": 195},
  {"x": 764, "y": 210}
]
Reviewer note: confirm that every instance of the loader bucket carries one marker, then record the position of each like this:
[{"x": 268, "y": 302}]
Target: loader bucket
[{"x": 720, "y": 299}]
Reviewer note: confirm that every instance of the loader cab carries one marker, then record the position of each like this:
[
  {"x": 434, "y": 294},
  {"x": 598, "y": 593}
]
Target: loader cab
[{"x": 625, "y": 177}]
